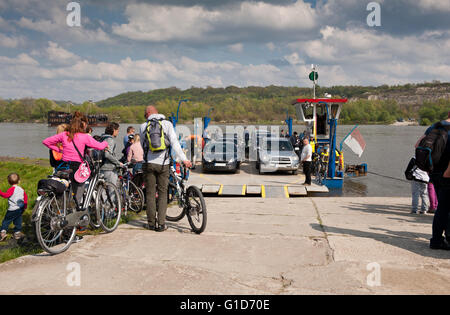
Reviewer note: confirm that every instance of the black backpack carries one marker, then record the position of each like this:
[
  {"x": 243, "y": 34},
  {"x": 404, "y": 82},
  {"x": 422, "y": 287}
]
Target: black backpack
[
  {"x": 410, "y": 169},
  {"x": 432, "y": 147},
  {"x": 99, "y": 155}
]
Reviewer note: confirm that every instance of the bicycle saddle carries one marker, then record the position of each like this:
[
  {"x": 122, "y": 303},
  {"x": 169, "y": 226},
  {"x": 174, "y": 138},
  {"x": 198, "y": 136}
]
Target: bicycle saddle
[{"x": 64, "y": 174}]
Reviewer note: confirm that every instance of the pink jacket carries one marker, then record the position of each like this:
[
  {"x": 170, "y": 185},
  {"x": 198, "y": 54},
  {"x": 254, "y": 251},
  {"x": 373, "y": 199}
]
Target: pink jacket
[
  {"x": 69, "y": 152},
  {"x": 136, "y": 152}
]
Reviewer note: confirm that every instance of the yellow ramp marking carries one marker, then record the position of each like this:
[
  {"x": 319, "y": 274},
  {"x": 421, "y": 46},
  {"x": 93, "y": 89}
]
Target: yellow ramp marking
[
  {"x": 244, "y": 188},
  {"x": 220, "y": 190},
  {"x": 286, "y": 191},
  {"x": 263, "y": 191}
]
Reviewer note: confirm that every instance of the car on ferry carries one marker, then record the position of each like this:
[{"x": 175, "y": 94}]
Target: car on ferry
[
  {"x": 277, "y": 154},
  {"x": 257, "y": 138},
  {"x": 221, "y": 156}
]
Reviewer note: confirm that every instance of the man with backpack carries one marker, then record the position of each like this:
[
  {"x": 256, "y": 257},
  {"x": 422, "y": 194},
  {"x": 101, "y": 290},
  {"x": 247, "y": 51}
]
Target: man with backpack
[
  {"x": 157, "y": 138},
  {"x": 433, "y": 156}
]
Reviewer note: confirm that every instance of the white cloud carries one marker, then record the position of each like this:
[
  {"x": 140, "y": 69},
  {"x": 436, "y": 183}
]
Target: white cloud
[
  {"x": 11, "y": 42},
  {"x": 58, "y": 30},
  {"x": 236, "y": 48},
  {"x": 161, "y": 23},
  {"x": 294, "y": 59},
  {"x": 435, "y": 5},
  {"x": 60, "y": 55},
  {"x": 20, "y": 60},
  {"x": 270, "y": 46},
  {"x": 126, "y": 74}
]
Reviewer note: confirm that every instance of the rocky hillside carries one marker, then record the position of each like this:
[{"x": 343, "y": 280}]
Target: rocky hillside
[{"x": 411, "y": 96}]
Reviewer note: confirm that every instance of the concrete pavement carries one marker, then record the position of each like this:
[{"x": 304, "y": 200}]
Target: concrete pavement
[{"x": 252, "y": 246}]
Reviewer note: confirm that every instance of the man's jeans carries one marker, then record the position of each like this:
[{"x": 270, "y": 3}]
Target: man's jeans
[
  {"x": 14, "y": 217},
  {"x": 113, "y": 178},
  {"x": 156, "y": 177}
]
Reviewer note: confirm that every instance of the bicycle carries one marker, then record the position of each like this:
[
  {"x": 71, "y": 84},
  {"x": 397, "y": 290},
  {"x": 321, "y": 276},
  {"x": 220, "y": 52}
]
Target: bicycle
[
  {"x": 190, "y": 201},
  {"x": 132, "y": 196},
  {"x": 56, "y": 217},
  {"x": 319, "y": 167}
]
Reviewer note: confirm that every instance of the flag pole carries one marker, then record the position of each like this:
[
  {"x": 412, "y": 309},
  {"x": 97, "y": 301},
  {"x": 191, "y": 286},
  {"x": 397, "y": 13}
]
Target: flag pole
[{"x": 342, "y": 142}]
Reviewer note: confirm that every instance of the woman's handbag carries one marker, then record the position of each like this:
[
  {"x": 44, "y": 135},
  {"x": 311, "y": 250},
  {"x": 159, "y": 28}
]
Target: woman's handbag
[{"x": 83, "y": 172}]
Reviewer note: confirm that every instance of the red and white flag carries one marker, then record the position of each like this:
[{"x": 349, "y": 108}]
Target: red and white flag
[{"x": 356, "y": 142}]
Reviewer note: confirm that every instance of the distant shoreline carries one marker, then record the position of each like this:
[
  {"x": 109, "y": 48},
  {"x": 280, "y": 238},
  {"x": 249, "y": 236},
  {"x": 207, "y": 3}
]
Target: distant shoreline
[
  {"x": 405, "y": 123},
  {"x": 262, "y": 123}
]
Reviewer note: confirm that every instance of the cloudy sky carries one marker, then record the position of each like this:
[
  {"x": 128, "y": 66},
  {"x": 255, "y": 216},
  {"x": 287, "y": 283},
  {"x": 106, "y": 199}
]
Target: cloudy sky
[{"x": 142, "y": 45}]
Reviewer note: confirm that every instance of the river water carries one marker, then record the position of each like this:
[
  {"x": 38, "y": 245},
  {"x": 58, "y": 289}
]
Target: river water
[{"x": 388, "y": 151}]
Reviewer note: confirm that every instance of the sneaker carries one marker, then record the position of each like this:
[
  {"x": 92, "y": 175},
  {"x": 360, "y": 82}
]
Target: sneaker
[
  {"x": 18, "y": 235},
  {"x": 432, "y": 211},
  {"x": 413, "y": 212},
  {"x": 422, "y": 212},
  {"x": 161, "y": 228},
  {"x": 149, "y": 227},
  {"x": 3, "y": 236}
]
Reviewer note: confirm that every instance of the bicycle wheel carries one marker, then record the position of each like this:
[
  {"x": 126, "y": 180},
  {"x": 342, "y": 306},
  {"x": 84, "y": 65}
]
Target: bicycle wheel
[
  {"x": 52, "y": 239},
  {"x": 108, "y": 207},
  {"x": 196, "y": 209},
  {"x": 93, "y": 222},
  {"x": 136, "y": 198},
  {"x": 175, "y": 211}
]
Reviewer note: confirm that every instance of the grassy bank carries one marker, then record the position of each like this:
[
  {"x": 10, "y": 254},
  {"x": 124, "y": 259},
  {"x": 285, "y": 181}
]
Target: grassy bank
[{"x": 30, "y": 172}]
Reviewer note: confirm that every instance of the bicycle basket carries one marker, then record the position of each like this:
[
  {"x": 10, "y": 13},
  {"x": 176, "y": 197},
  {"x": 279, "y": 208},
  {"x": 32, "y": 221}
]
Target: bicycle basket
[{"x": 51, "y": 185}]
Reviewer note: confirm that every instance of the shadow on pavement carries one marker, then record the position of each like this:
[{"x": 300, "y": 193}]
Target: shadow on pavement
[{"x": 410, "y": 241}]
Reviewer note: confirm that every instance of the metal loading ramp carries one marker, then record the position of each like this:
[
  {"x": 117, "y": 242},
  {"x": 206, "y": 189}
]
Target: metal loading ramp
[
  {"x": 248, "y": 183},
  {"x": 262, "y": 191}
]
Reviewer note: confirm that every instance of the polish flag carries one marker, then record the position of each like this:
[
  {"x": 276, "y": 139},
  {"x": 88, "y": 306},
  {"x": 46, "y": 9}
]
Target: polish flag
[{"x": 356, "y": 142}]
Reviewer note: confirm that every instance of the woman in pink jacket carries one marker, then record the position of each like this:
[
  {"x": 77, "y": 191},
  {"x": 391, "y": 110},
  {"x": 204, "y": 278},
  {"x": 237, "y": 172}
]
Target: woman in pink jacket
[{"x": 75, "y": 136}]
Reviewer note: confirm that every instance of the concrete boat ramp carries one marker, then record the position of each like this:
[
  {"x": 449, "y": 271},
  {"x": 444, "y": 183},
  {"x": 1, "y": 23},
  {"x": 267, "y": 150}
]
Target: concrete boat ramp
[
  {"x": 248, "y": 183},
  {"x": 331, "y": 245}
]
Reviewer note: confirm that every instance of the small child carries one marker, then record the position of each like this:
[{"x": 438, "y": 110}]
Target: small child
[
  {"x": 17, "y": 203},
  {"x": 419, "y": 188}
]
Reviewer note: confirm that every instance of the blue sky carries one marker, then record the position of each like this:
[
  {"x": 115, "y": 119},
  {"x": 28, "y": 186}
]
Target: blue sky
[{"x": 142, "y": 45}]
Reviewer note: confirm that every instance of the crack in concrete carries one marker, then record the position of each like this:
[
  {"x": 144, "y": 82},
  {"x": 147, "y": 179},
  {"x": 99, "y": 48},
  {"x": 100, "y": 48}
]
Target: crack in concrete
[
  {"x": 330, "y": 250},
  {"x": 285, "y": 283}
]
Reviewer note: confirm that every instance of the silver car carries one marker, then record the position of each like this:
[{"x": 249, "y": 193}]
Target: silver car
[{"x": 277, "y": 154}]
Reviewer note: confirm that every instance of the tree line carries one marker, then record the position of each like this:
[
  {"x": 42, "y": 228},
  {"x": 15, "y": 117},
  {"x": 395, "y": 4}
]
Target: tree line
[{"x": 232, "y": 104}]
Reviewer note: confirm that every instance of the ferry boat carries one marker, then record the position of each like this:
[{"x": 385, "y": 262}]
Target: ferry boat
[{"x": 55, "y": 118}]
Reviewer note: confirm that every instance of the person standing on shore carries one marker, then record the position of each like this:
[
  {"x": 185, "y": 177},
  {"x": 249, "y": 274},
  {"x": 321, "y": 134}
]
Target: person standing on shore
[
  {"x": 130, "y": 131},
  {"x": 17, "y": 204},
  {"x": 56, "y": 156},
  {"x": 441, "y": 180},
  {"x": 419, "y": 191},
  {"x": 111, "y": 162},
  {"x": 306, "y": 159},
  {"x": 156, "y": 164},
  {"x": 136, "y": 154},
  {"x": 73, "y": 140},
  {"x": 295, "y": 141}
]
